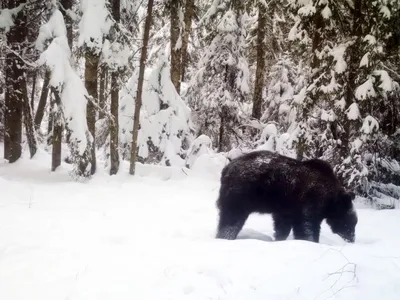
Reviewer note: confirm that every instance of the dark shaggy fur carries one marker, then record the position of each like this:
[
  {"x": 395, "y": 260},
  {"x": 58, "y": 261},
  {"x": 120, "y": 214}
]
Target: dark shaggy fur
[{"x": 298, "y": 194}]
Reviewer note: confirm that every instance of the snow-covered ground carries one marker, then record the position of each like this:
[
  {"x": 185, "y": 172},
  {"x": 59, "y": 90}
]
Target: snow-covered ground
[{"x": 152, "y": 237}]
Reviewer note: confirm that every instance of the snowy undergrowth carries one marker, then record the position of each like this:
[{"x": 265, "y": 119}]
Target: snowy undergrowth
[{"x": 145, "y": 237}]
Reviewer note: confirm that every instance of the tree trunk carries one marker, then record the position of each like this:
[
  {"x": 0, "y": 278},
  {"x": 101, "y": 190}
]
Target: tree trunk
[
  {"x": 80, "y": 161},
  {"x": 57, "y": 138},
  {"x": 66, "y": 5},
  {"x": 34, "y": 79},
  {"x": 15, "y": 72},
  {"x": 91, "y": 65},
  {"x": 42, "y": 101},
  {"x": 28, "y": 121},
  {"x": 57, "y": 130},
  {"x": 114, "y": 155},
  {"x": 260, "y": 71},
  {"x": 175, "y": 44},
  {"x": 189, "y": 12},
  {"x": 102, "y": 91},
  {"x": 51, "y": 121},
  {"x": 138, "y": 104}
]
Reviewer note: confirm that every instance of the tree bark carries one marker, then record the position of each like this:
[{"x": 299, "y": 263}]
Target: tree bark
[
  {"x": 114, "y": 154},
  {"x": 50, "y": 123},
  {"x": 260, "y": 71},
  {"x": 175, "y": 47},
  {"x": 34, "y": 79},
  {"x": 42, "y": 101},
  {"x": 66, "y": 5},
  {"x": 138, "y": 104},
  {"x": 102, "y": 91},
  {"x": 91, "y": 65},
  {"x": 28, "y": 121},
  {"x": 189, "y": 12},
  {"x": 57, "y": 130},
  {"x": 56, "y": 139},
  {"x": 15, "y": 72}
]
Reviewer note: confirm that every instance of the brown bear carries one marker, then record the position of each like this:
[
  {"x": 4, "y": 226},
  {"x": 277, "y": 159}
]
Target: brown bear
[{"x": 298, "y": 194}]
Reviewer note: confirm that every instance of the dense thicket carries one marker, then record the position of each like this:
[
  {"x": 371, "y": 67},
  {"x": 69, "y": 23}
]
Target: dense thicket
[{"x": 306, "y": 78}]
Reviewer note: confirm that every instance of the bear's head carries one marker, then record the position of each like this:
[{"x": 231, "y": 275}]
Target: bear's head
[{"x": 342, "y": 217}]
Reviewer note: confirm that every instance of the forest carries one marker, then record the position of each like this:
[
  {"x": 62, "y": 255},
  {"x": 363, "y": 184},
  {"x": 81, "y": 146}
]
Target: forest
[
  {"x": 162, "y": 82},
  {"x": 199, "y": 149}
]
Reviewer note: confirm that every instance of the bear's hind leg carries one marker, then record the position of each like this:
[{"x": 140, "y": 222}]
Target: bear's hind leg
[
  {"x": 282, "y": 226},
  {"x": 317, "y": 231},
  {"x": 306, "y": 229},
  {"x": 230, "y": 223}
]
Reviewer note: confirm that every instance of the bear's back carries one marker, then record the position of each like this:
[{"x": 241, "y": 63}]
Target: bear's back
[
  {"x": 256, "y": 164},
  {"x": 321, "y": 169}
]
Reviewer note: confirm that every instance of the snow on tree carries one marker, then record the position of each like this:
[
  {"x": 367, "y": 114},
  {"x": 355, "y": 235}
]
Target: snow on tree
[
  {"x": 94, "y": 25},
  {"x": 280, "y": 92},
  {"x": 68, "y": 87},
  {"x": 222, "y": 81},
  {"x": 165, "y": 123},
  {"x": 201, "y": 145},
  {"x": 348, "y": 86},
  {"x": 7, "y": 16}
]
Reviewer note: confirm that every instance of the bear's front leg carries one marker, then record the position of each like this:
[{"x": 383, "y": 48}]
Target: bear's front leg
[
  {"x": 231, "y": 221},
  {"x": 306, "y": 228}
]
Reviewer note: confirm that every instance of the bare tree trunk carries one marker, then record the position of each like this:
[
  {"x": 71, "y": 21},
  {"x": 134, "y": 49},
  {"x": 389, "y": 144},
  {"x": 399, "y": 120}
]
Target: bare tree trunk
[
  {"x": 102, "y": 91},
  {"x": 91, "y": 65},
  {"x": 66, "y": 5},
  {"x": 28, "y": 121},
  {"x": 51, "y": 121},
  {"x": 260, "y": 71},
  {"x": 114, "y": 155},
  {"x": 189, "y": 12},
  {"x": 34, "y": 79},
  {"x": 57, "y": 138},
  {"x": 42, "y": 101},
  {"x": 56, "y": 130},
  {"x": 138, "y": 103},
  {"x": 15, "y": 72},
  {"x": 175, "y": 47}
]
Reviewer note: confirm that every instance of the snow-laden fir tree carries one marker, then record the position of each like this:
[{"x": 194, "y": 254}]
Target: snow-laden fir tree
[
  {"x": 165, "y": 124},
  {"x": 222, "y": 81},
  {"x": 94, "y": 25},
  {"x": 70, "y": 92},
  {"x": 279, "y": 122},
  {"x": 374, "y": 145},
  {"x": 346, "y": 100},
  {"x": 280, "y": 91}
]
